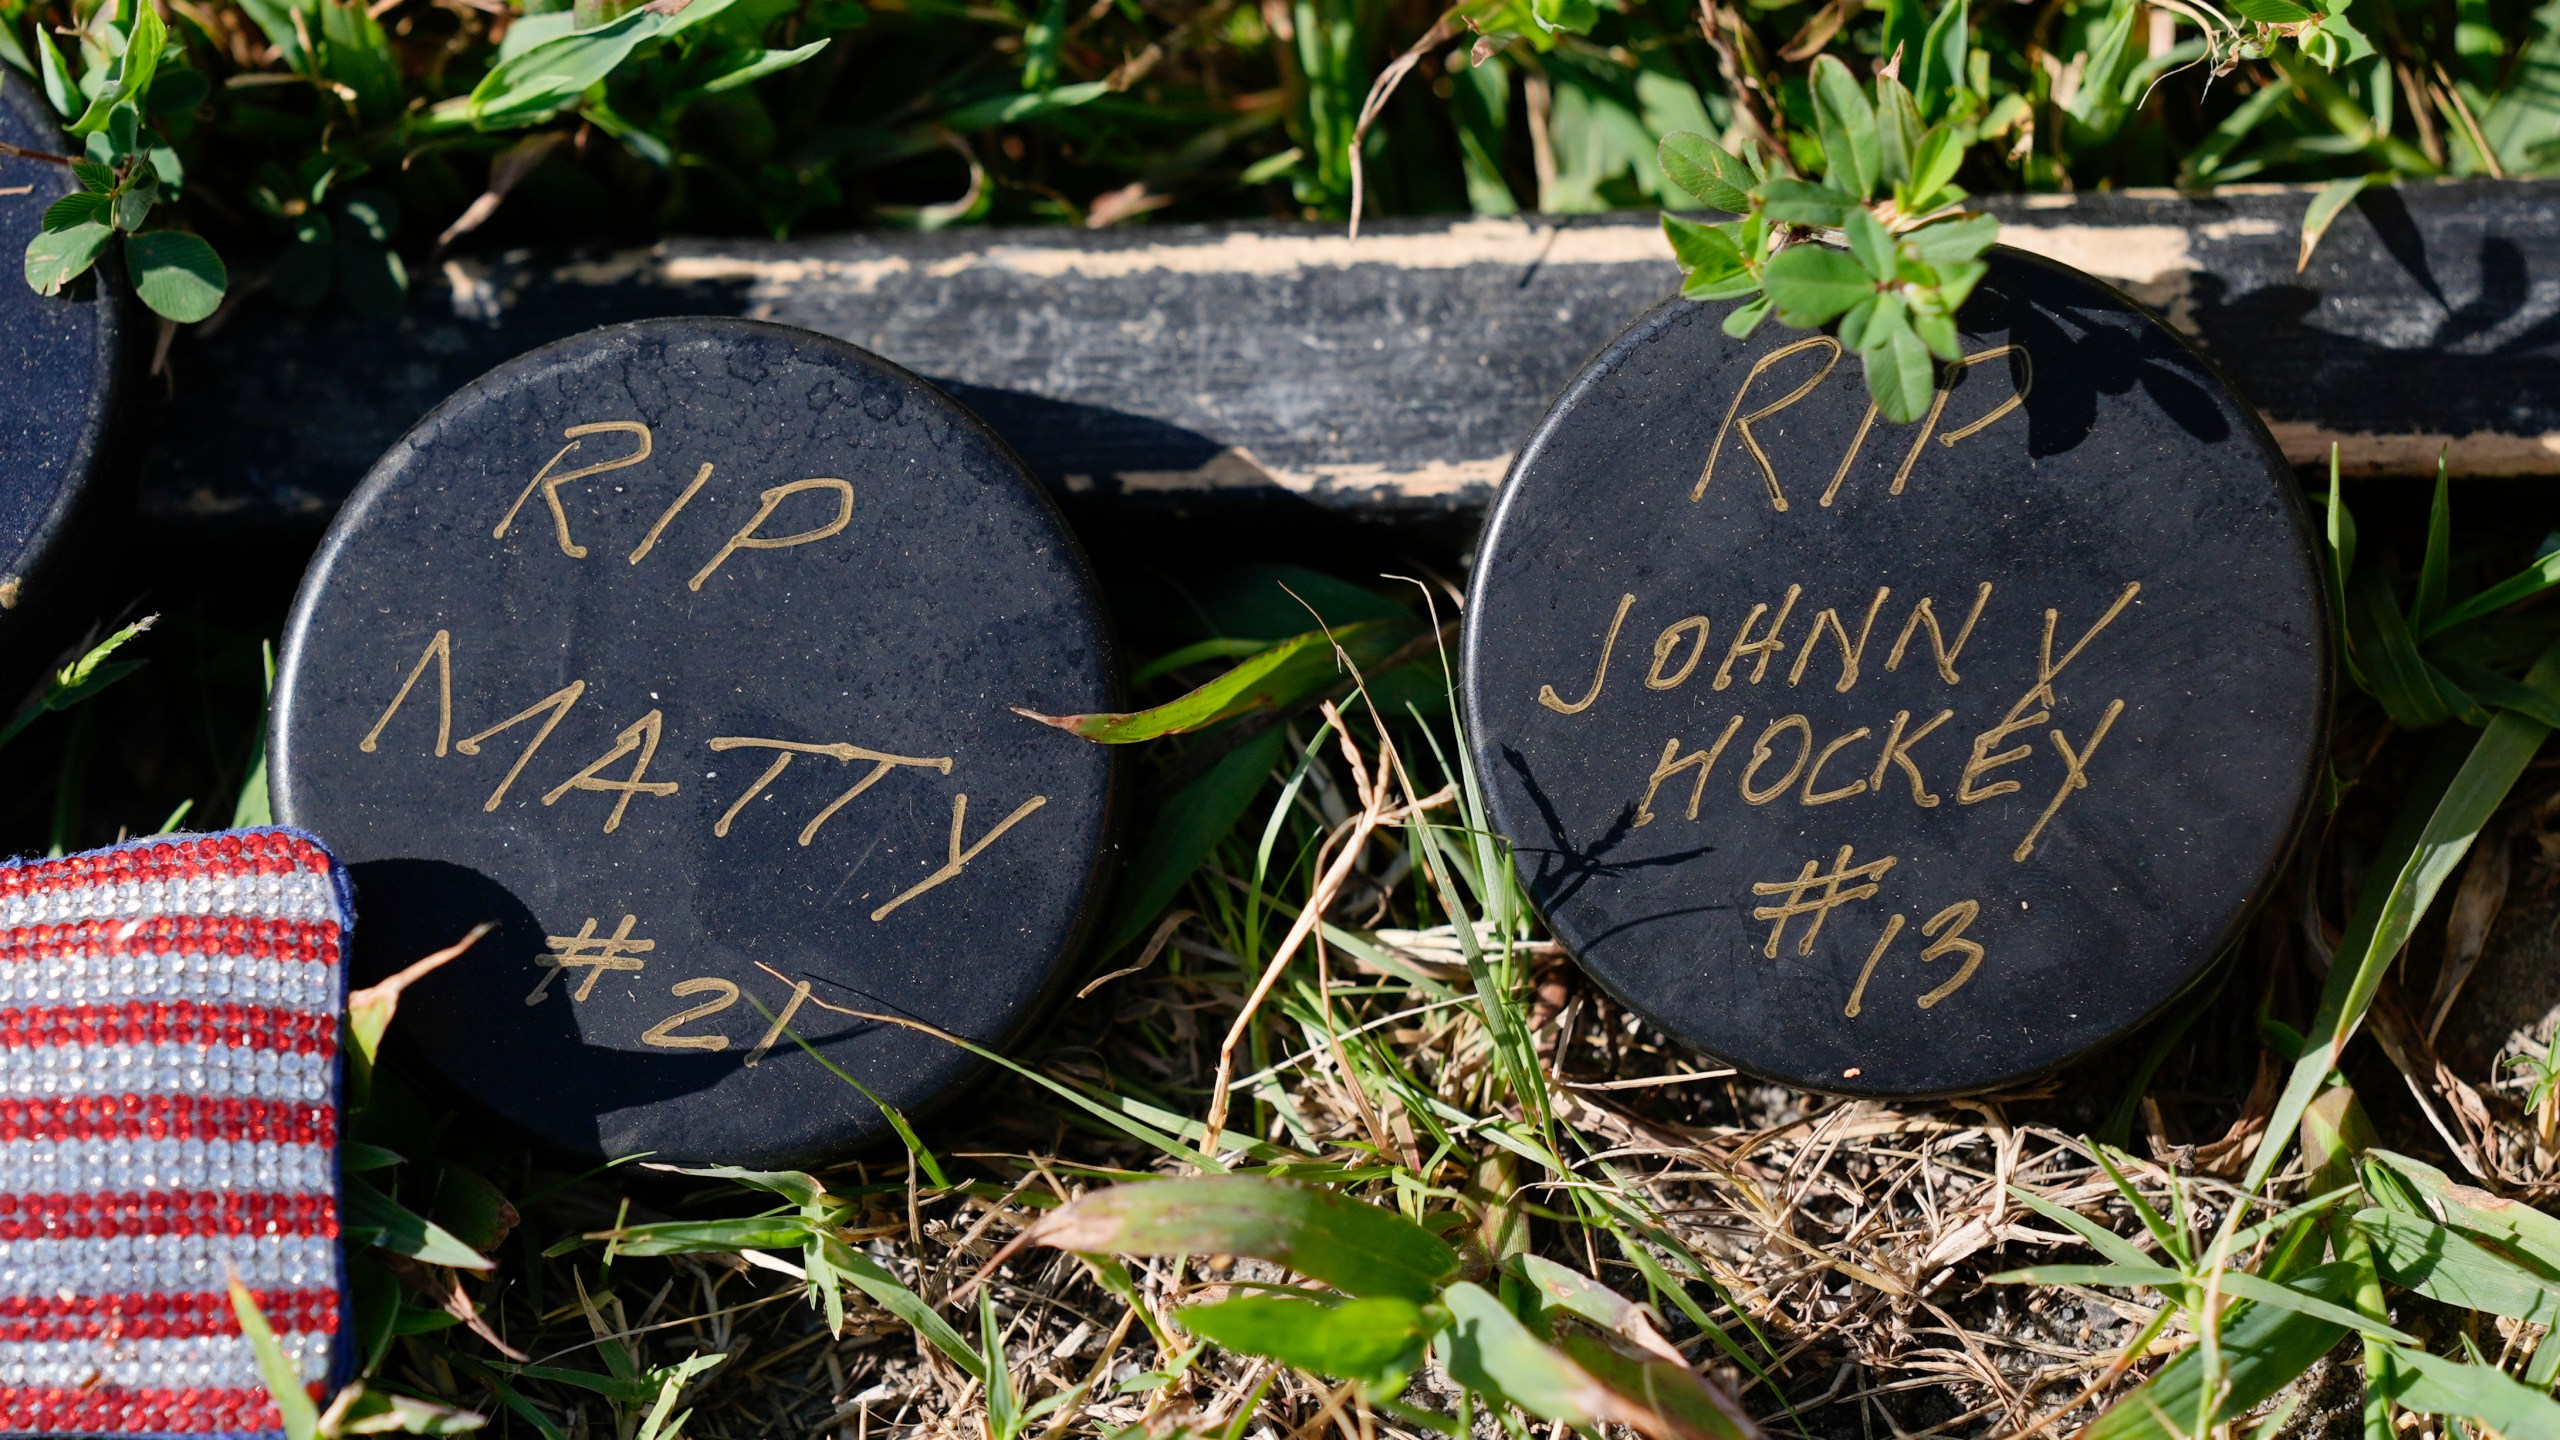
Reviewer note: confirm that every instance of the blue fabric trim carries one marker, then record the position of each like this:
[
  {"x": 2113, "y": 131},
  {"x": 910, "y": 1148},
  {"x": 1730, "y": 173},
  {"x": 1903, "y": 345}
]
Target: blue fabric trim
[{"x": 342, "y": 1350}]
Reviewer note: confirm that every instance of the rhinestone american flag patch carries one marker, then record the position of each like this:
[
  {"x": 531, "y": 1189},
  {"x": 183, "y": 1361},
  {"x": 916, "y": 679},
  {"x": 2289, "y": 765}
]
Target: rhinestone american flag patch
[{"x": 169, "y": 1019}]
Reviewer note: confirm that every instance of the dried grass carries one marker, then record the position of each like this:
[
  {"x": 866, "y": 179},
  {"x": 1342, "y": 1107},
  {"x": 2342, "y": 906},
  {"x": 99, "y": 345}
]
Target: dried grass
[{"x": 1843, "y": 1246}]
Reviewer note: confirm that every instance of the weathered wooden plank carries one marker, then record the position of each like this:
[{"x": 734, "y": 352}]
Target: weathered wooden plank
[
  {"x": 2429, "y": 317},
  {"x": 1392, "y": 376}
]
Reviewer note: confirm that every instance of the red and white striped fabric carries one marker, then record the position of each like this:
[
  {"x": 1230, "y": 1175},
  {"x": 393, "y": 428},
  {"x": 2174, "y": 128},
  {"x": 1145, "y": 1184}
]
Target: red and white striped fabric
[{"x": 169, "y": 1018}]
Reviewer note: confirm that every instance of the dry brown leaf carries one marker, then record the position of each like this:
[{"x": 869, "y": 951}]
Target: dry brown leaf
[{"x": 2466, "y": 925}]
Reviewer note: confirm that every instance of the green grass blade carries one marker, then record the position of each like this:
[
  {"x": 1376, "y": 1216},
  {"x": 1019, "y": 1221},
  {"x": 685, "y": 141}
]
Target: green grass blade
[
  {"x": 1191, "y": 1128},
  {"x": 367, "y": 1411},
  {"x": 94, "y": 671},
  {"x": 2509, "y": 1224},
  {"x": 1003, "y": 1415},
  {"x": 1357, "y": 1248},
  {"x": 797, "y": 1186},
  {"x": 2170, "y": 1238},
  {"x": 508, "y": 1395},
  {"x": 2434, "y": 569},
  {"x": 924, "y": 1156},
  {"x": 1222, "y": 647},
  {"x": 1635, "y": 1237},
  {"x": 1370, "y": 951},
  {"x": 2327, "y": 204},
  {"x": 2490, "y": 688},
  {"x": 2421, "y": 1255},
  {"x": 2379, "y": 636},
  {"x": 1377, "y": 1341},
  {"x": 2101, "y": 1239},
  {"x": 2246, "y": 1238},
  {"x": 2341, "y": 530},
  {"x": 664, "y": 1421},
  {"x": 1185, "y": 831},
  {"x": 1673, "y": 1395},
  {"x": 1096, "y": 1107},
  {"x": 1259, "y": 886},
  {"x": 626, "y": 1390},
  {"x": 402, "y": 1231},
  {"x": 252, "y": 806},
  {"x": 275, "y": 1368},
  {"x": 2263, "y": 1349},
  {"x": 708, "y": 1237},
  {"x": 2351, "y": 1247},
  {"x": 2543, "y": 1370},
  {"x": 1489, "y": 1351},
  {"x": 1278, "y": 677},
  {"x": 2122, "y": 1277},
  {"x": 892, "y": 1295},
  {"x": 2262, "y": 1291},
  {"x": 2480, "y": 1393},
  {"x": 2535, "y": 578},
  {"x": 2434, "y": 831},
  {"x": 1560, "y": 1287}
]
